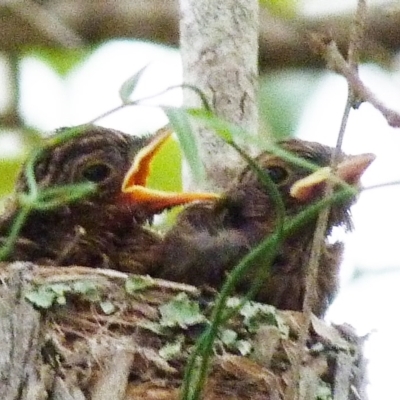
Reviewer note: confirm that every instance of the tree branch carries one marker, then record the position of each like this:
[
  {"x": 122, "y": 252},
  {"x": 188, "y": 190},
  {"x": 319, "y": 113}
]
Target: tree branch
[{"x": 282, "y": 43}]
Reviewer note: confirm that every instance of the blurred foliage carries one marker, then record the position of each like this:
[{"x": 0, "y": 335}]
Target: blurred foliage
[
  {"x": 10, "y": 166},
  {"x": 281, "y": 8},
  {"x": 31, "y": 137},
  {"x": 282, "y": 97},
  {"x": 129, "y": 86},
  {"x": 60, "y": 59},
  {"x": 9, "y": 171}
]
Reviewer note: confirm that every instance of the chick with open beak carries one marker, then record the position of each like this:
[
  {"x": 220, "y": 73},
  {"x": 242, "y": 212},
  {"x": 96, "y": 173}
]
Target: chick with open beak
[
  {"x": 210, "y": 238},
  {"x": 104, "y": 229}
]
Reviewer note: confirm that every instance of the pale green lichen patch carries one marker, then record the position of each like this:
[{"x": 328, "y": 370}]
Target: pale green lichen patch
[
  {"x": 137, "y": 283},
  {"x": 181, "y": 312},
  {"x": 257, "y": 314},
  {"x": 49, "y": 294},
  {"x": 172, "y": 350}
]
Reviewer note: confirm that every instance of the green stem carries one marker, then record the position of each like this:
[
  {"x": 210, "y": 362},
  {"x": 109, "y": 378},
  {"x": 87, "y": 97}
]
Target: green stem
[
  {"x": 13, "y": 235},
  {"x": 237, "y": 273},
  {"x": 266, "y": 249}
]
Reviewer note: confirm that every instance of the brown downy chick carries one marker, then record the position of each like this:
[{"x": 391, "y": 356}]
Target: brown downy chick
[
  {"x": 210, "y": 238},
  {"x": 104, "y": 229}
]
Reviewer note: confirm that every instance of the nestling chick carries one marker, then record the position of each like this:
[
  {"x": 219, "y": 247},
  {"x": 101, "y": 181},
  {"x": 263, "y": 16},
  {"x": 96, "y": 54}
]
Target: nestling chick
[
  {"x": 104, "y": 229},
  {"x": 210, "y": 238}
]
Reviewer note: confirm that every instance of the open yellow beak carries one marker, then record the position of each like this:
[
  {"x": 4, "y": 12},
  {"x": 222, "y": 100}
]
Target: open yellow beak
[
  {"x": 350, "y": 171},
  {"x": 134, "y": 184}
]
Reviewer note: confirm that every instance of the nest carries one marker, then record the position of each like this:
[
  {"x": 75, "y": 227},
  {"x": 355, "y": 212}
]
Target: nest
[{"x": 82, "y": 333}]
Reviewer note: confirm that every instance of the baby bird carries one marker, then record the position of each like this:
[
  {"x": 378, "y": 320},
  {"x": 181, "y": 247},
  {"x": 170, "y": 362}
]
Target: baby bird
[
  {"x": 210, "y": 238},
  {"x": 105, "y": 228}
]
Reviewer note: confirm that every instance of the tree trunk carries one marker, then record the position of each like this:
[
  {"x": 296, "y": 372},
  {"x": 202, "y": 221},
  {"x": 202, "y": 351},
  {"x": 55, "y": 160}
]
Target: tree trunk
[{"x": 219, "y": 47}]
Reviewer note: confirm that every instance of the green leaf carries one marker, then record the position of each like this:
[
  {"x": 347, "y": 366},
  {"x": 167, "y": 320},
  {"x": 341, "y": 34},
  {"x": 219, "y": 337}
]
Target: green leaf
[
  {"x": 135, "y": 284},
  {"x": 222, "y": 128},
  {"x": 181, "y": 125},
  {"x": 181, "y": 311},
  {"x": 281, "y": 100},
  {"x": 129, "y": 86},
  {"x": 225, "y": 130}
]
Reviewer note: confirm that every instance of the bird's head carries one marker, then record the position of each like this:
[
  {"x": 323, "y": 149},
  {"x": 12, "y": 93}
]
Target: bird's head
[
  {"x": 116, "y": 163},
  {"x": 299, "y": 186},
  {"x": 95, "y": 154}
]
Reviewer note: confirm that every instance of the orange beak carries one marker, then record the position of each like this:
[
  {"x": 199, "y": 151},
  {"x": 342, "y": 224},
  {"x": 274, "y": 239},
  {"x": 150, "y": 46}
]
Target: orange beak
[
  {"x": 134, "y": 184},
  {"x": 350, "y": 171}
]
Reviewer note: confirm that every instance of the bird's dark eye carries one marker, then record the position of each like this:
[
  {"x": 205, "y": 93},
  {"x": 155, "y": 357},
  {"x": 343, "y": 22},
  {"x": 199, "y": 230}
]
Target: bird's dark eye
[
  {"x": 277, "y": 174},
  {"x": 96, "y": 173}
]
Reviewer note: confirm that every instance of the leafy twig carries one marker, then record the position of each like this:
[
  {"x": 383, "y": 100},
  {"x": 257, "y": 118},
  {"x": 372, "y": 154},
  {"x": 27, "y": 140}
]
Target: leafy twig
[{"x": 139, "y": 102}]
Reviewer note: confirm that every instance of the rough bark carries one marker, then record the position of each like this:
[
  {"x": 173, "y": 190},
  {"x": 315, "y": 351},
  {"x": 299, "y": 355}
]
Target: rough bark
[
  {"x": 283, "y": 43},
  {"x": 19, "y": 338},
  {"x": 219, "y": 56},
  {"x": 77, "y": 349}
]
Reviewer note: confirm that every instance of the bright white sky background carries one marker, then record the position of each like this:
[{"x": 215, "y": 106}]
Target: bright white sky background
[{"x": 369, "y": 303}]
